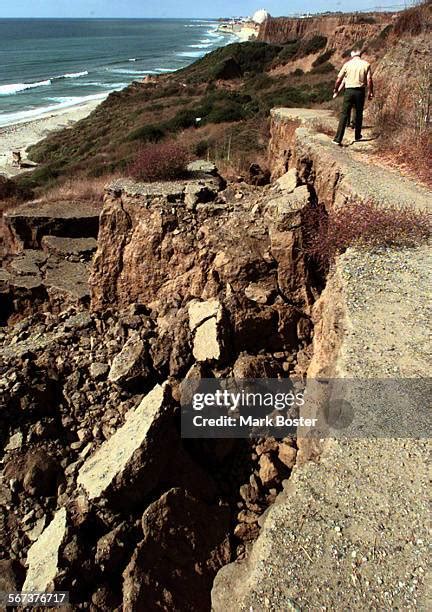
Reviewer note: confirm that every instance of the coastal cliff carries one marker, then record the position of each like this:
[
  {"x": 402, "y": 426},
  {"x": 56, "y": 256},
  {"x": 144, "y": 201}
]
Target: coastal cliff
[
  {"x": 114, "y": 309},
  {"x": 341, "y": 30}
]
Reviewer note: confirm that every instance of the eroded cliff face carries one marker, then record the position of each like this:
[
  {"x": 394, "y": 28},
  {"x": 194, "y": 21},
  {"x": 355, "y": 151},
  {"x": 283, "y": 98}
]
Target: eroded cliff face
[
  {"x": 341, "y": 30},
  {"x": 243, "y": 248},
  {"x": 191, "y": 280}
]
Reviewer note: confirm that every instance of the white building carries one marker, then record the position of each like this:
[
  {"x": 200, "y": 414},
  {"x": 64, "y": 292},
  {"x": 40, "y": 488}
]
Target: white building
[{"x": 260, "y": 16}]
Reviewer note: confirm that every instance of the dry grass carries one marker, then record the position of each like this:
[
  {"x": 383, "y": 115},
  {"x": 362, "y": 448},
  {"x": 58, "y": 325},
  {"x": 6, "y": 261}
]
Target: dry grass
[
  {"x": 402, "y": 116},
  {"x": 365, "y": 224},
  {"x": 81, "y": 189}
]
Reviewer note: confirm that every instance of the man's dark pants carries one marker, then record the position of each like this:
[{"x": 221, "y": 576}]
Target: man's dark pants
[{"x": 354, "y": 97}]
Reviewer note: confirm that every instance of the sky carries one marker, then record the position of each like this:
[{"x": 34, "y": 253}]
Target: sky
[{"x": 176, "y": 8}]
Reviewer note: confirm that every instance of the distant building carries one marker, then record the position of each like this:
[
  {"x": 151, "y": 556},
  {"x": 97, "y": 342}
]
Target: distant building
[{"x": 260, "y": 16}]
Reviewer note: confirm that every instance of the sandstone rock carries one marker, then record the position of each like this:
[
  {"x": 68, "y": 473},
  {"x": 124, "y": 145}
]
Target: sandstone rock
[
  {"x": 15, "y": 441},
  {"x": 98, "y": 370},
  {"x": 207, "y": 346},
  {"x": 130, "y": 364},
  {"x": 268, "y": 472},
  {"x": 39, "y": 526},
  {"x": 105, "y": 600},
  {"x": 246, "y": 531},
  {"x": 127, "y": 466},
  {"x": 287, "y": 454},
  {"x": 258, "y": 293},
  {"x": 201, "y": 311},
  {"x": 288, "y": 181},
  {"x": 171, "y": 349},
  {"x": 202, "y": 165},
  {"x": 183, "y": 548},
  {"x": 59, "y": 245},
  {"x": 111, "y": 549},
  {"x": 43, "y": 555},
  {"x": 205, "y": 318},
  {"x": 41, "y": 473},
  {"x": 266, "y": 446}
]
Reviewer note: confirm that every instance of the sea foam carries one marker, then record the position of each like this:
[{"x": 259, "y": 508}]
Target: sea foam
[
  {"x": 14, "y": 88},
  {"x": 36, "y": 113}
]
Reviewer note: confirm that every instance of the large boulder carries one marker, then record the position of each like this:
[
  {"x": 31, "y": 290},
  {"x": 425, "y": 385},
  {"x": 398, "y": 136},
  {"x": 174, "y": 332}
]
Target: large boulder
[
  {"x": 128, "y": 465},
  {"x": 185, "y": 543},
  {"x": 43, "y": 555}
]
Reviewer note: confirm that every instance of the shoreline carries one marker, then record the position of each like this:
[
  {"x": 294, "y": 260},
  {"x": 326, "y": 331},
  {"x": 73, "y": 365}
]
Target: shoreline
[
  {"x": 242, "y": 32},
  {"x": 20, "y": 136}
]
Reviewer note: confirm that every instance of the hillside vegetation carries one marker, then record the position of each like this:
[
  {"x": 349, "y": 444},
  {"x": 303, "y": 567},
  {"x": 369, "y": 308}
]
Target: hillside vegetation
[
  {"x": 218, "y": 107},
  {"x": 229, "y": 90}
]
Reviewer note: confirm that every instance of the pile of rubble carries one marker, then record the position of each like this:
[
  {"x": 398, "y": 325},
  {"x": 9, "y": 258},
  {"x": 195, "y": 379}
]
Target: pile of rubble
[{"x": 99, "y": 493}]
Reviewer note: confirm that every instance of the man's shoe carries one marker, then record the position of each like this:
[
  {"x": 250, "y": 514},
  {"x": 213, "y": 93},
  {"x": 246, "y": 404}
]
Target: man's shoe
[
  {"x": 357, "y": 139},
  {"x": 336, "y": 142}
]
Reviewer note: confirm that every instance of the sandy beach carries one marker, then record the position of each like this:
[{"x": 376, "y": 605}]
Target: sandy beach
[
  {"x": 19, "y": 136},
  {"x": 242, "y": 32}
]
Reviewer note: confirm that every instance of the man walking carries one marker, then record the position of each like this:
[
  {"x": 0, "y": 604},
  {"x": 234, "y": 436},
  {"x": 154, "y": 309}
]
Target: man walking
[{"x": 358, "y": 77}]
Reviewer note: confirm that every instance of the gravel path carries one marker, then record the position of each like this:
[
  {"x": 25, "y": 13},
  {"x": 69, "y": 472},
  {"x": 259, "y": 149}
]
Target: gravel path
[{"x": 352, "y": 531}]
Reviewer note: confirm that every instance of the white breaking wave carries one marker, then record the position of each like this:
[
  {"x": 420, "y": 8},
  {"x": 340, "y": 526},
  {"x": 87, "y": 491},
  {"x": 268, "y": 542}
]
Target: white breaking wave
[
  {"x": 73, "y": 75},
  {"x": 191, "y": 53},
  {"x": 201, "y": 46},
  {"x": 165, "y": 69},
  {"x": 14, "y": 88},
  {"x": 136, "y": 72},
  {"x": 36, "y": 113},
  {"x": 132, "y": 59},
  {"x": 105, "y": 85}
]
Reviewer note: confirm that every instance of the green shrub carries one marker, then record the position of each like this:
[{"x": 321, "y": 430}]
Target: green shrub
[
  {"x": 227, "y": 112},
  {"x": 312, "y": 45},
  {"x": 298, "y": 72},
  {"x": 324, "y": 68},
  {"x": 288, "y": 52},
  {"x": 147, "y": 133},
  {"x": 323, "y": 58},
  {"x": 183, "y": 119}
]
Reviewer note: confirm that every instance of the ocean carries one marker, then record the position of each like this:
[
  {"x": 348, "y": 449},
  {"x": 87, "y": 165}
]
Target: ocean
[{"x": 48, "y": 64}]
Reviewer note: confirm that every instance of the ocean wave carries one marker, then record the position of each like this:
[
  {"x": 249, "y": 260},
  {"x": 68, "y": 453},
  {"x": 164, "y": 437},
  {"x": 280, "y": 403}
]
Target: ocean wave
[
  {"x": 72, "y": 75},
  {"x": 126, "y": 71},
  {"x": 36, "y": 113},
  {"x": 105, "y": 85},
  {"x": 132, "y": 59},
  {"x": 165, "y": 69},
  {"x": 190, "y": 53},
  {"x": 14, "y": 88},
  {"x": 201, "y": 46}
]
